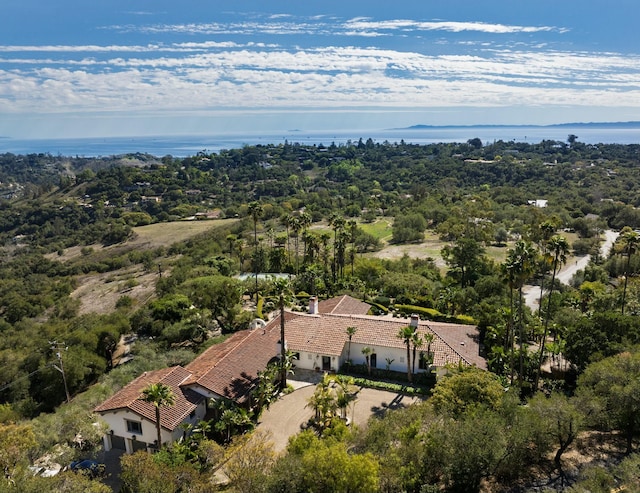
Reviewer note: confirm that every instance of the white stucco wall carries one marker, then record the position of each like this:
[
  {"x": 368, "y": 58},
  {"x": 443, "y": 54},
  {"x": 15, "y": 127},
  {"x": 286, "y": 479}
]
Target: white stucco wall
[
  {"x": 398, "y": 355},
  {"x": 309, "y": 361},
  {"x": 117, "y": 421}
]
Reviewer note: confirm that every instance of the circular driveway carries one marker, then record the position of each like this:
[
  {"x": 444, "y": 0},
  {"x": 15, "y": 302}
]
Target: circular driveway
[{"x": 286, "y": 417}]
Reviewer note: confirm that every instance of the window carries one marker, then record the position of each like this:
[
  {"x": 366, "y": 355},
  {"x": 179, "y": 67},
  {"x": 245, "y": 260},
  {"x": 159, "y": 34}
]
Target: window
[{"x": 134, "y": 427}]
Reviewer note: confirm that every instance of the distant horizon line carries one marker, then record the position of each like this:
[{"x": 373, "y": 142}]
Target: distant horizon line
[
  {"x": 627, "y": 124},
  {"x": 604, "y": 125}
]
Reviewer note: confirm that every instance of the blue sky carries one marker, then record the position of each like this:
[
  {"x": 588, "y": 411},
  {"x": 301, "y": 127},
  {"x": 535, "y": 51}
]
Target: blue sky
[{"x": 104, "y": 68}]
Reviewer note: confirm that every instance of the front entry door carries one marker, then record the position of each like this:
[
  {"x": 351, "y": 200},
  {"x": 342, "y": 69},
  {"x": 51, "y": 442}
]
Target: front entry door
[{"x": 326, "y": 363}]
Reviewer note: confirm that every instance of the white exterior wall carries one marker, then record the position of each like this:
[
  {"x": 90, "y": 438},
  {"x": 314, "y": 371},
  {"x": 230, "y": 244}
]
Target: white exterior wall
[
  {"x": 117, "y": 421},
  {"x": 398, "y": 355},
  {"x": 311, "y": 361}
]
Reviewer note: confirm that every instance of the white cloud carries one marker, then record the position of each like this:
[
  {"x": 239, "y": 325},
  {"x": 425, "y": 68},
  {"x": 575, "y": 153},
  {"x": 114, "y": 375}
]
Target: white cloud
[
  {"x": 253, "y": 76},
  {"x": 363, "y": 24}
]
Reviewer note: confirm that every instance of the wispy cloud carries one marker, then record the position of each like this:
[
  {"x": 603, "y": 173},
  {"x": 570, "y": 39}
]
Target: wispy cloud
[
  {"x": 286, "y": 24},
  {"x": 364, "y": 24}
]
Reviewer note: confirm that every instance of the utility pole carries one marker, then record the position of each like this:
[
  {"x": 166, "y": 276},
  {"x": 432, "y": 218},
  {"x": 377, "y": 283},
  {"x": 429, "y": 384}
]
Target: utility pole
[{"x": 58, "y": 347}]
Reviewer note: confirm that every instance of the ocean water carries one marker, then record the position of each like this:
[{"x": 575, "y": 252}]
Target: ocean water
[{"x": 182, "y": 146}]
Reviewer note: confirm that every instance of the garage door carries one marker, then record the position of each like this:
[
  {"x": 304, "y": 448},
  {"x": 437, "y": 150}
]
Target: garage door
[
  {"x": 138, "y": 445},
  {"x": 117, "y": 442}
]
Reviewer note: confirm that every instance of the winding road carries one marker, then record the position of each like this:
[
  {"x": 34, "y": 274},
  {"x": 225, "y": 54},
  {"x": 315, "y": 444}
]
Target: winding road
[{"x": 531, "y": 294}]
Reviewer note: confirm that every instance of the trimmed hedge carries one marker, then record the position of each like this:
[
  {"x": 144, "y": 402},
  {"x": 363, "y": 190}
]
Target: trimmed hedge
[
  {"x": 377, "y": 308},
  {"x": 435, "y": 315},
  {"x": 259, "y": 307},
  {"x": 391, "y": 387}
]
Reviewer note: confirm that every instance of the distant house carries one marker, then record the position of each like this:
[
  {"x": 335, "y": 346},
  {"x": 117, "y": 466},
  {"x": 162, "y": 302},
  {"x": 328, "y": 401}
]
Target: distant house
[
  {"x": 318, "y": 338},
  {"x": 538, "y": 203}
]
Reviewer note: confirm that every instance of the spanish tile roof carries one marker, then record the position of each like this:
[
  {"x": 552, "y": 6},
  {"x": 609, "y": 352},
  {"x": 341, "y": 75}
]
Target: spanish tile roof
[
  {"x": 327, "y": 334},
  {"x": 230, "y": 369},
  {"x": 345, "y": 305},
  {"x": 130, "y": 397}
]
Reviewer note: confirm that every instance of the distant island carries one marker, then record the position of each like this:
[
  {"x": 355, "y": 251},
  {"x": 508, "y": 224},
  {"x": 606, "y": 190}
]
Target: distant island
[{"x": 634, "y": 124}]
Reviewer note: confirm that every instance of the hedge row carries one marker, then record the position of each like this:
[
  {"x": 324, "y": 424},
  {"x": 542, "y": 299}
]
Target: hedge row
[
  {"x": 391, "y": 387},
  {"x": 433, "y": 314}
]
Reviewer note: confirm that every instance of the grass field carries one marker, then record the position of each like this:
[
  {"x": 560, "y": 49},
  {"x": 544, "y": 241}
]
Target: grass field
[{"x": 381, "y": 229}]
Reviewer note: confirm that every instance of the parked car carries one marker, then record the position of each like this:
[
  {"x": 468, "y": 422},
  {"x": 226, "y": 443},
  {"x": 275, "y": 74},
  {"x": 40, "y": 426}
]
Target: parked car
[{"x": 89, "y": 467}]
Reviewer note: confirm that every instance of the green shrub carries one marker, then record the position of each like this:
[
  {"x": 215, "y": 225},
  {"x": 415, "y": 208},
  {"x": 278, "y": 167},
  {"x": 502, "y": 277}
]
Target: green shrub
[
  {"x": 378, "y": 309},
  {"x": 434, "y": 315}
]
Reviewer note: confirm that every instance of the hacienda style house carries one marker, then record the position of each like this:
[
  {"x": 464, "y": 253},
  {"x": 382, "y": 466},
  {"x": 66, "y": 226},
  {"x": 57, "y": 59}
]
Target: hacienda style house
[{"x": 319, "y": 341}]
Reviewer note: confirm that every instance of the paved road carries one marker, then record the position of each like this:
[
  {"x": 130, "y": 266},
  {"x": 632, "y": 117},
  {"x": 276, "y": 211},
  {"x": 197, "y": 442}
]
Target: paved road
[
  {"x": 287, "y": 416},
  {"x": 531, "y": 294}
]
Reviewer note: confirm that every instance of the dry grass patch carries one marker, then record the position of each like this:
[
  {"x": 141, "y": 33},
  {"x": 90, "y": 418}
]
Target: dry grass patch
[
  {"x": 145, "y": 238},
  {"x": 99, "y": 293}
]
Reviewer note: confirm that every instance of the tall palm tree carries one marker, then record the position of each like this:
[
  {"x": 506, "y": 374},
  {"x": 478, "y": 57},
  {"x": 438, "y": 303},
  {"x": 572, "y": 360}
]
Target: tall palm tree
[
  {"x": 231, "y": 240},
  {"x": 630, "y": 241},
  {"x": 546, "y": 230},
  {"x": 406, "y": 334},
  {"x": 416, "y": 340},
  {"x": 255, "y": 210},
  {"x": 558, "y": 246},
  {"x": 518, "y": 267},
  {"x": 160, "y": 395},
  {"x": 282, "y": 288},
  {"x": 337, "y": 222},
  {"x": 296, "y": 227},
  {"x": 428, "y": 339},
  {"x": 305, "y": 221},
  {"x": 350, "y": 333}
]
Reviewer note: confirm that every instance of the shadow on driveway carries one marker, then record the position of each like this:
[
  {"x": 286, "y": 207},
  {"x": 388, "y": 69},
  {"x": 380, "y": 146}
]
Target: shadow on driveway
[{"x": 287, "y": 416}]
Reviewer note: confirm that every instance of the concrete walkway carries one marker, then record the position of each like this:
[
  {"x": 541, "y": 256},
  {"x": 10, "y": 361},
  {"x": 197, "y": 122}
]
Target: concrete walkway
[{"x": 290, "y": 413}]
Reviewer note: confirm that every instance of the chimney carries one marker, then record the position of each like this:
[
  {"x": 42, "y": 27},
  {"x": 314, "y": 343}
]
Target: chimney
[
  {"x": 313, "y": 305},
  {"x": 415, "y": 319}
]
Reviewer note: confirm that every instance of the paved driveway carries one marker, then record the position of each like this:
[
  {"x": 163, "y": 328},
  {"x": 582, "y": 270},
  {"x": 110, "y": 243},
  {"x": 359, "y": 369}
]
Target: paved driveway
[{"x": 287, "y": 416}]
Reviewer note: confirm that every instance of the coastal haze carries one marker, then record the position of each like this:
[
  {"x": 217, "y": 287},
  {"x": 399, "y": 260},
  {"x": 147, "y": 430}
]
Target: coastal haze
[
  {"x": 182, "y": 146},
  {"x": 176, "y": 78}
]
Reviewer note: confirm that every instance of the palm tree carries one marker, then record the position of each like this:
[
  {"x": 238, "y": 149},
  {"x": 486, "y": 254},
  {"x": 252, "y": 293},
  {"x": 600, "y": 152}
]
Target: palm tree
[
  {"x": 160, "y": 395},
  {"x": 350, "y": 332},
  {"x": 630, "y": 241},
  {"x": 296, "y": 227},
  {"x": 518, "y": 267},
  {"x": 305, "y": 221},
  {"x": 406, "y": 334},
  {"x": 366, "y": 351},
  {"x": 353, "y": 232},
  {"x": 559, "y": 246},
  {"x": 282, "y": 288},
  {"x": 546, "y": 231},
  {"x": 344, "y": 395},
  {"x": 416, "y": 341},
  {"x": 231, "y": 240},
  {"x": 428, "y": 339},
  {"x": 255, "y": 210},
  {"x": 337, "y": 222}
]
